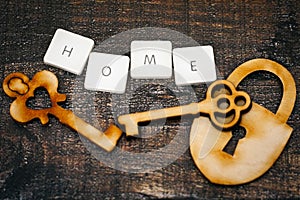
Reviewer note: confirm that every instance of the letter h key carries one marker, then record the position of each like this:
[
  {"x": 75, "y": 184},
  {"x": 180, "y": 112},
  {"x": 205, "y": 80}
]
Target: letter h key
[{"x": 223, "y": 104}]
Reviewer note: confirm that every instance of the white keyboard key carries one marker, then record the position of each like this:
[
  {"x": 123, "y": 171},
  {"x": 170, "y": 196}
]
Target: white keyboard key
[
  {"x": 151, "y": 59},
  {"x": 107, "y": 72},
  {"x": 194, "y": 65},
  {"x": 68, "y": 51}
]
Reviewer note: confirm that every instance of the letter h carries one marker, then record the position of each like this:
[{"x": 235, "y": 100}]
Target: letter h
[{"x": 68, "y": 51}]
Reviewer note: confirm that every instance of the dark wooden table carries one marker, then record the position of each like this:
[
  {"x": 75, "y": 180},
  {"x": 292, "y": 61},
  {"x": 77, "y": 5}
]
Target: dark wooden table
[{"x": 52, "y": 162}]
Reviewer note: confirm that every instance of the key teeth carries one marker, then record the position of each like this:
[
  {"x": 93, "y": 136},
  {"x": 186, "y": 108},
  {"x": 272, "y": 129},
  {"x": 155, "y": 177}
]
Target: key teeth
[
  {"x": 132, "y": 131},
  {"x": 113, "y": 133},
  {"x": 44, "y": 119},
  {"x": 130, "y": 125}
]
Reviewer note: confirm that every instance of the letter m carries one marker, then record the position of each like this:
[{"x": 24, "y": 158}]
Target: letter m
[{"x": 149, "y": 60}]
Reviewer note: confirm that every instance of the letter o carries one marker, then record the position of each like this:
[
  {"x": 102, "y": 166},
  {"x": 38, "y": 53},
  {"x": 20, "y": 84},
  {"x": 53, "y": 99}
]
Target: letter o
[{"x": 106, "y": 71}]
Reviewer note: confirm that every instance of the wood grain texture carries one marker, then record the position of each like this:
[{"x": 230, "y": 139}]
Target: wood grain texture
[{"x": 51, "y": 162}]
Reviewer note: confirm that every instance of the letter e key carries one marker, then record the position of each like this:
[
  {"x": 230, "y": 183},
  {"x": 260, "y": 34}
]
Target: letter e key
[{"x": 194, "y": 65}]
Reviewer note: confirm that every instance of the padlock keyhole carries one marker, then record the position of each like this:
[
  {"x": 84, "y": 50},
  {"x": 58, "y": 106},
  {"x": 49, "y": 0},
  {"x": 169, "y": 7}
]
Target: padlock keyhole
[{"x": 238, "y": 133}]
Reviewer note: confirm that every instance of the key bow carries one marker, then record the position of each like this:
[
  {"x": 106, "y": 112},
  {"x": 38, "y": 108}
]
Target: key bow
[
  {"x": 18, "y": 85},
  {"x": 228, "y": 104}
]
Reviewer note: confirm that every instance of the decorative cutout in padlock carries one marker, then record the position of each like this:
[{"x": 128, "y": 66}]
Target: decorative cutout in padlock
[{"x": 266, "y": 133}]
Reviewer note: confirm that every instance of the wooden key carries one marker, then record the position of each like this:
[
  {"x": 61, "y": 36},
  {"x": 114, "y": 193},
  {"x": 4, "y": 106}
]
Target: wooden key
[
  {"x": 18, "y": 86},
  {"x": 223, "y": 104}
]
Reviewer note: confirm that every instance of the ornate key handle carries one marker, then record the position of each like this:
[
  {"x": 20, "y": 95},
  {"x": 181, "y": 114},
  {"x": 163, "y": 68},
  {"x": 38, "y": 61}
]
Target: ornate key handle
[
  {"x": 18, "y": 86},
  {"x": 228, "y": 104}
]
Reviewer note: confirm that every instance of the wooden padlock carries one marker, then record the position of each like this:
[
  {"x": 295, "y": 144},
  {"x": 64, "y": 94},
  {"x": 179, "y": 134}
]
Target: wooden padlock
[{"x": 266, "y": 133}]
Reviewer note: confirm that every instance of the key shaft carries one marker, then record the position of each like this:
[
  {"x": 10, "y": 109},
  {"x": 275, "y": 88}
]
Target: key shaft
[
  {"x": 223, "y": 104},
  {"x": 131, "y": 120},
  {"x": 106, "y": 140}
]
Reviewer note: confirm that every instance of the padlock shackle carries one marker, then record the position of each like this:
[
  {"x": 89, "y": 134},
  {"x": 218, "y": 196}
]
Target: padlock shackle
[{"x": 289, "y": 87}]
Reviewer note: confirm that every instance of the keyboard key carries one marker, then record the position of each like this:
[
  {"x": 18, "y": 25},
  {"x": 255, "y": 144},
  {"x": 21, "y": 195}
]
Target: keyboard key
[
  {"x": 194, "y": 65},
  {"x": 107, "y": 72},
  {"x": 68, "y": 51},
  {"x": 151, "y": 59}
]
